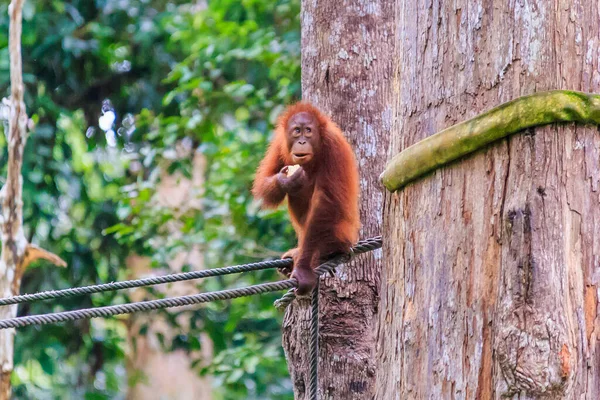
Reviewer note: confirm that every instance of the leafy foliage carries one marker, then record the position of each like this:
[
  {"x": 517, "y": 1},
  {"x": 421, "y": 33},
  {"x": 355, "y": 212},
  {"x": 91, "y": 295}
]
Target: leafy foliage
[{"x": 121, "y": 91}]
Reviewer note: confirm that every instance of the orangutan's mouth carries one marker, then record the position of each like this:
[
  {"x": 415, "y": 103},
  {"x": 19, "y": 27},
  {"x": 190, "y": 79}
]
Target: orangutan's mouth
[{"x": 301, "y": 158}]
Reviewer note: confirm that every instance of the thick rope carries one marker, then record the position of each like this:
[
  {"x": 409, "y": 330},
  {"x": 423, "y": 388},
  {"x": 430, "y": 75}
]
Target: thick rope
[
  {"x": 329, "y": 266},
  {"x": 155, "y": 280},
  {"x": 108, "y": 311},
  {"x": 314, "y": 344}
]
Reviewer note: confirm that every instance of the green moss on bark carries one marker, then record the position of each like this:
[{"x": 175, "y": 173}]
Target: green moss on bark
[{"x": 509, "y": 118}]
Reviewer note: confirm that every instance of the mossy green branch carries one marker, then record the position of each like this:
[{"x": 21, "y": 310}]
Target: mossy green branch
[{"x": 512, "y": 117}]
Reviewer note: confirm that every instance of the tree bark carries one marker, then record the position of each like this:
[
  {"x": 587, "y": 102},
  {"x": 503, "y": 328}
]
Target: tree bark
[
  {"x": 14, "y": 242},
  {"x": 346, "y": 71},
  {"x": 17, "y": 253},
  {"x": 490, "y": 276}
]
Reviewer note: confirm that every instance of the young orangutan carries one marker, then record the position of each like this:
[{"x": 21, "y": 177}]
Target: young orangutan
[{"x": 310, "y": 161}]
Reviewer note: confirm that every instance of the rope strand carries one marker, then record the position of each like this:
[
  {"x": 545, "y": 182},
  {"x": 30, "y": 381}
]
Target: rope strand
[
  {"x": 108, "y": 311},
  {"x": 363, "y": 246},
  {"x": 158, "y": 280},
  {"x": 155, "y": 280}
]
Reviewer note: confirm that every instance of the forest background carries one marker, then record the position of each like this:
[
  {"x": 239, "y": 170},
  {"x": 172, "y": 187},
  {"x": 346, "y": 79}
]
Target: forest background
[{"x": 123, "y": 93}]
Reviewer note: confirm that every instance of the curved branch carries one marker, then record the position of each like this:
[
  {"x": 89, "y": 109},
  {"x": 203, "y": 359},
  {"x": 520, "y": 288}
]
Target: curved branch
[
  {"x": 467, "y": 137},
  {"x": 33, "y": 253}
]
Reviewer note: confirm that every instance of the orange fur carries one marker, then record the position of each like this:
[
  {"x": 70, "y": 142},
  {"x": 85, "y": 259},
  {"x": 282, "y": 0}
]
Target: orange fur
[{"x": 325, "y": 215}]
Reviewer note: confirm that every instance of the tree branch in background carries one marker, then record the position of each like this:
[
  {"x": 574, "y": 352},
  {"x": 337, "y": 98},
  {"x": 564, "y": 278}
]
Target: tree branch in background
[
  {"x": 33, "y": 253},
  {"x": 16, "y": 251},
  {"x": 13, "y": 238}
]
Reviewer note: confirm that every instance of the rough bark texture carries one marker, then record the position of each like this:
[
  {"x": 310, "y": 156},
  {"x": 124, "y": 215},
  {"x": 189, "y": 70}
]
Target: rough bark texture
[
  {"x": 17, "y": 253},
  {"x": 460, "y": 140},
  {"x": 346, "y": 71},
  {"x": 490, "y": 282},
  {"x": 14, "y": 242}
]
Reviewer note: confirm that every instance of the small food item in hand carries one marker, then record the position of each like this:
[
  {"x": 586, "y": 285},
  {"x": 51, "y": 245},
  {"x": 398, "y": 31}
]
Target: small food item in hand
[{"x": 291, "y": 169}]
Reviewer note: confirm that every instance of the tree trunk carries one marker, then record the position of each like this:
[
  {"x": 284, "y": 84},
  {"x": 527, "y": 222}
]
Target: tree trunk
[
  {"x": 17, "y": 253},
  {"x": 14, "y": 242},
  {"x": 490, "y": 277},
  {"x": 346, "y": 71}
]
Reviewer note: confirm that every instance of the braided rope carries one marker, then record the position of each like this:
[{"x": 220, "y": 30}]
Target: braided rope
[
  {"x": 363, "y": 246},
  {"x": 155, "y": 280},
  {"x": 314, "y": 344},
  {"x": 108, "y": 311}
]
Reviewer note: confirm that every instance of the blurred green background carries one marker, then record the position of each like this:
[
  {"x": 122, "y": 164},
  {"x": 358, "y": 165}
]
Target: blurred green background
[{"x": 124, "y": 93}]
